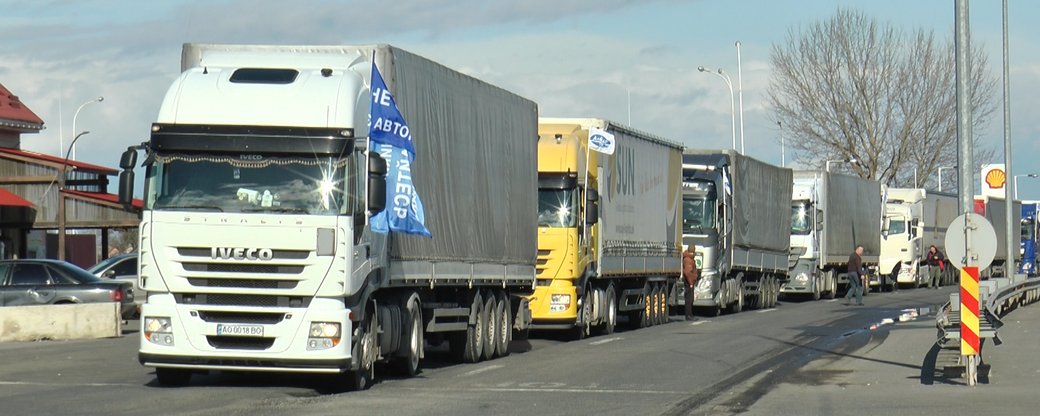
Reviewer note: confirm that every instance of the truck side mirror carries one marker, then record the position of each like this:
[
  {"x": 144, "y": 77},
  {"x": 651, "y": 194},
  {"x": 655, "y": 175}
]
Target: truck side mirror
[
  {"x": 591, "y": 206},
  {"x": 376, "y": 183},
  {"x": 591, "y": 212},
  {"x": 129, "y": 158},
  {"x": 126, "y": 187},
  {"x": 819, "y": 219}
]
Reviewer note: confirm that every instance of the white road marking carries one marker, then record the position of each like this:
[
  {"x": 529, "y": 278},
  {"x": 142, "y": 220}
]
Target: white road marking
[
  {"x": 832, "y": 300},
  {"x": 604, "y": 341},
  {"x": 481, "y": 370},
  {"x": 766, "y": 310},
  {"x": 36, "y": 383},
  {"x": 698, "y": 323},
  {"x": 549, "y": 390}
]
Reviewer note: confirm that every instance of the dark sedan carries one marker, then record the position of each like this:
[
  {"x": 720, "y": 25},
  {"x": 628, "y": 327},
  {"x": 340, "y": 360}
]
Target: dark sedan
[{"x": 52, "y": 282}]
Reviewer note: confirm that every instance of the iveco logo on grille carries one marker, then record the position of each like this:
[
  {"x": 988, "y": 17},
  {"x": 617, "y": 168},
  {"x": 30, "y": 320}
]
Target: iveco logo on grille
[{"x": 241, "y": 253}]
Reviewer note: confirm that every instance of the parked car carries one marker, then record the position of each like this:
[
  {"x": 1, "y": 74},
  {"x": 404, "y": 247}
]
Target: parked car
[
  {"x": 123, "y": 268},
  {"x": 51, "y": 282}
]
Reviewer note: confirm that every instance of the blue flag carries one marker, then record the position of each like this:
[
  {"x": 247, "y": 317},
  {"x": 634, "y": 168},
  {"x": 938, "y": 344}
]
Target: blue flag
[{"x": 392, "y": 139}]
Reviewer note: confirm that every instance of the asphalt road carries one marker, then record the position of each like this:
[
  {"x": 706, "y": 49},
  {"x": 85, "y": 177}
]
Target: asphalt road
[{"x": 799, "y": 358}]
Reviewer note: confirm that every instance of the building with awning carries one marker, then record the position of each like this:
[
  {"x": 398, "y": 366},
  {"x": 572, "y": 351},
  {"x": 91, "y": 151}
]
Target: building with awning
[{"x": 30, "y": 196}]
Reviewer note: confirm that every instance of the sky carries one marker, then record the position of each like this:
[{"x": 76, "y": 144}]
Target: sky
[{"x": 575, "y": 58}]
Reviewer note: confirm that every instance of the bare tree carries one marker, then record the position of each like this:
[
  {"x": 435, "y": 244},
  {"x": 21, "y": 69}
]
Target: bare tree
[{"x": 851, "y": 87}]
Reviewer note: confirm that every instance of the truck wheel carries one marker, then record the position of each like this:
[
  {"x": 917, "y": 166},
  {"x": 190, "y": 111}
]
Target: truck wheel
[
  {"x": 738, "y": 306},
  {"x": 367, "y": 346},
  {"x": 816, "y": 288},
  {"x": 608, "y": 328},
  {"x": 832, "y": 291},
  {"x": 505, "y": 326},
  {"x": 172, "y": 377},
  {"x": 409, "y": 360},
  {"x": 491, "y": 320},
  {"x": 645, "y": 316},
  {"x": 468, "y": 346},
  {"x": 664, "y": 303}
]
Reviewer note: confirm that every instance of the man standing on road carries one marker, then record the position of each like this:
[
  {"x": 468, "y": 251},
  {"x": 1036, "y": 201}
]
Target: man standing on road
[
  {"x": 689, "y": 275},
  {"x": 855, "y": 281},
  {"x": 934, "y": 260}
]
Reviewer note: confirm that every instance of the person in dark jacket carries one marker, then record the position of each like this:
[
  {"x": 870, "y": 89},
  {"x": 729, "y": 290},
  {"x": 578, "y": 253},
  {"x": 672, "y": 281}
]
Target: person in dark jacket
[
  {"x": 934, "y": 259},
  {"x": 855, "y": 280},
  {"x": 690, "y": 274}
]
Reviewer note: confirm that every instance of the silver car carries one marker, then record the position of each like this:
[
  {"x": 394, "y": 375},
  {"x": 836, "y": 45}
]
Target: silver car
[
  {"x": 122, "y": 268},
  {"x": 52, "y": 282}
]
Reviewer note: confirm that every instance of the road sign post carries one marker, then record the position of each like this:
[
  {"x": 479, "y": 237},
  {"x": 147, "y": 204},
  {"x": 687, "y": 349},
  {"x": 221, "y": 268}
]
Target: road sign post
[{"x": 971, "y": 244}]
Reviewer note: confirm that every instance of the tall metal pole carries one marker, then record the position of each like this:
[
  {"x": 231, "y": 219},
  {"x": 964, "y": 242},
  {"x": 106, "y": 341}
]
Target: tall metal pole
[
  {"x": 75, "y": 116},
  {"x": 740, "y": 95},
  {"x": 1012, "y": 246},
  {"x": 965, "y": 157},
  {"x": 783, "y": 156}
]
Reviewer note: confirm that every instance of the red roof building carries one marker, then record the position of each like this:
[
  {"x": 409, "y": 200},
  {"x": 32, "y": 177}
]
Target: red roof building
[{"x": 31, "y": 194}]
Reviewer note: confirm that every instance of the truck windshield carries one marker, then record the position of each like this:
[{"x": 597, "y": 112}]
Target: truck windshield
[
  {"x": 557, "y": 208},
  {"x": 896, "y": 226},
  {"x": 698, "y": 214},
  {"x": 290, "y": 185},
  {"x": 801, "y": 218}
]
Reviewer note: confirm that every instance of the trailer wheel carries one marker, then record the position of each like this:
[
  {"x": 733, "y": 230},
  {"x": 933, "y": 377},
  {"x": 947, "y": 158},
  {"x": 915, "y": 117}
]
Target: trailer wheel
[
  {"x": 646, "y": 318},
  {"x": 664, "y": 303},
  {"x": 172, "y": 377},
  {"x": 505, "y": 326},
  {"x": 608, "y": 327},
  {"x": 468, "y": 346},
  {"x": 409, "y": 359},
  {"x": 491, "y": 320}
]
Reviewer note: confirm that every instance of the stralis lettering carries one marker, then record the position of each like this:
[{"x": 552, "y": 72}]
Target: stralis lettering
[{"x": 241, "y": 253}]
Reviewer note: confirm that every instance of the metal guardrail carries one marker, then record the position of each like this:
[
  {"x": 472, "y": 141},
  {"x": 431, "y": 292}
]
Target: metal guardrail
[{"x": 999, "y": 298}]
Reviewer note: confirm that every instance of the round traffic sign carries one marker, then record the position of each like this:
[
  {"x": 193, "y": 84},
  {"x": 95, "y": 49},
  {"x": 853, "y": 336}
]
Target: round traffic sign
[{"x": 983, "y": 241}]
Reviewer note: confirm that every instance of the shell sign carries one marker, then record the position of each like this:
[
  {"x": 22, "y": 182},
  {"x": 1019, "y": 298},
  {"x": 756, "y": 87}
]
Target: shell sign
[{"x": 994, "y": 179}]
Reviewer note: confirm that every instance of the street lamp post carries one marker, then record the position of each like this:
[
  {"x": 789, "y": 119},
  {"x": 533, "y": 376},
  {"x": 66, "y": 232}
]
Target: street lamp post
[
  {"x": 74, "y": 116},
  {"x": 940, "y": 174},
  {"x": 827, "y": 165},
  {"x": 740, "y": 97},
  {"x": 1015, "y": 182},
  {"x": 732, "y": 104},
  {"x": 61, "y": 197},
  {"x": 783, "y": 156}
]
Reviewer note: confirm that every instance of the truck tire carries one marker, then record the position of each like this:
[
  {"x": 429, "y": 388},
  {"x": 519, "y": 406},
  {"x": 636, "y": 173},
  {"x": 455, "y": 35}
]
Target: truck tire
[
  {"x": 644, "y": 315},
  {"x": 468, "y": 346},
  {"x": 367, "y": 345},
  {"x": 816, "y": 288},
  {"x": 491, "y": 320},
  {"x": 654, "y": 313},
  {"x": 505, "y": 325},
  {"x": 409, "y": 359},
  {"x": 738, "y": 305},
  {"x": 832, "y": 291},
  {"x": 611, "y": 315},
  {"x": 172, "y": 377},
  {"x": 664, "y": 303}
]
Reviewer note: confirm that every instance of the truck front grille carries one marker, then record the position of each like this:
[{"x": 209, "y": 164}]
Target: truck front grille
[
  {"x": 244, "y": 283},
  {"x": 242, "y": 268},
  {"x": 240, "y": 343},
  {"x": 277, "y": 254},
  {"x": 241, "y": 317},
  {"x": 230, "y": 299}
]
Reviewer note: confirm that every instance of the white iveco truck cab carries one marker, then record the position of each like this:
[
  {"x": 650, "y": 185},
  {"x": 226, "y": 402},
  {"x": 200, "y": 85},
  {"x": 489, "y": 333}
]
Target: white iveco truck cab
[{"x": 255, "y": 244}]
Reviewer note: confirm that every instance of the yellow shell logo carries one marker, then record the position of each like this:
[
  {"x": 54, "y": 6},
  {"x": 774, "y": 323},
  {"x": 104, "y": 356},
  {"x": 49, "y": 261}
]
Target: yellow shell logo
[{"x": 996, "y": 178}]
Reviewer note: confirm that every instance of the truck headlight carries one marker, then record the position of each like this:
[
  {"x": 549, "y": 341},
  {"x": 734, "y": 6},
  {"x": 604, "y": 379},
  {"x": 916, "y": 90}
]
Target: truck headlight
[
  {"x": 323, "y": 335},
  {"x": 158, "y": 330},
  {"x": 802, "y": 278},
  {"x": 560, "y": 299}
]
